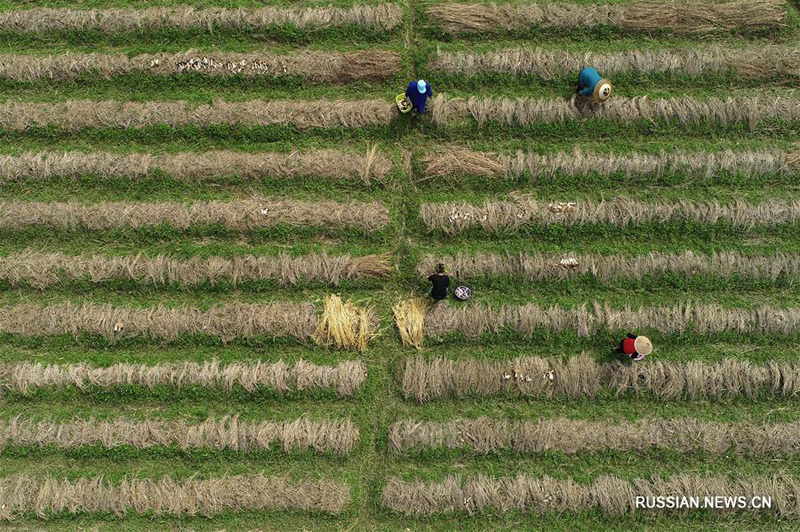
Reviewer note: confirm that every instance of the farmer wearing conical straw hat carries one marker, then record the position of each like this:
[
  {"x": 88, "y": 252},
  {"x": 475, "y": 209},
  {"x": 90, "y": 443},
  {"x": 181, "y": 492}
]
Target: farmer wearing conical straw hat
[
  {"x": 416, "y": 96},
  {"x": 593, "y": 86},
  {"x": 635, "y": 347}
]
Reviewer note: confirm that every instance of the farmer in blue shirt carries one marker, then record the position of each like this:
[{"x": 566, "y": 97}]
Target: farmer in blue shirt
[
  {"x": 591, "y": 85},
  {"x": 418, "y": 92}
]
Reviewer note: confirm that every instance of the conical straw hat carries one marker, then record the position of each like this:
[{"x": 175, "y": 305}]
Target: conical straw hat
[
  {"x": 602, "y": 91},
  {"x": 643, "y": 345}
]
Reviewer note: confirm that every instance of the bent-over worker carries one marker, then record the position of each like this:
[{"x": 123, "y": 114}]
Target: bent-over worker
[
  {"x": 440, "y": 282},
  {"x": 593, "y": 86},
  {"x": 419, "y": 92},
  {"x": 635, "y": 347}
]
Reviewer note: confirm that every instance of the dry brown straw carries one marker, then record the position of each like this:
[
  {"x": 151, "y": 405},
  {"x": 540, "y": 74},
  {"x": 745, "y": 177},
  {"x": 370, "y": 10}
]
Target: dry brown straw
[
  {"x": 224, "y": 434},
  {"x": 584, "y": 377},
  {"x": 42, "y": 270},
  {"x": 75, "y": 115},
  {"x": 196, "y": 167},
  {"x": 523, "y": 211},
  {"x": 409, "y": 315},
  {"x": 37, "y": 20},
  {"x": 749, "y": 111},
  {"x": 610, "y": 495},
  {"x": 572, "y": 436},
  {"x": 345, "y": 378},
  {"x": 567, "y": 265},
  {"x": 330, "y": 67},
  {"x": 456, "y": 162},
  {"x": 763, "y": 61},
  {"x": 473, "y": 321},
  {"x": 226, "y": 322},
  {"x": 241, "y": 215},
  {"x": 643, "y": 16},
  {"x": 47, "y": 496}
]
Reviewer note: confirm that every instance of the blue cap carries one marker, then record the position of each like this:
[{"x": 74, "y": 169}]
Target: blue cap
[{"x": 422, "y": 87}]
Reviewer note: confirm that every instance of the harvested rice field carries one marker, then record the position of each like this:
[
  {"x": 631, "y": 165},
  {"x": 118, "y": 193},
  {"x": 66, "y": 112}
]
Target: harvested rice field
[{"x": 216, "y": 233}]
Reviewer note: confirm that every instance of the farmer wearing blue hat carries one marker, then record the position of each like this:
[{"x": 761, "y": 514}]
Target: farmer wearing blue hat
[
  {"x": 593, "y": 86},
  {"x": 416, "y": 96}
]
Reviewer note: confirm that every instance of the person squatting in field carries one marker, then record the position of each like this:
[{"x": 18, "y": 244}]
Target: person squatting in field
[
  {"x": 440, "y": 282},
  {"x": 635, "y": 347},
  {"x": 592, "y": 85},
  {"x": 418, "y": 93}
]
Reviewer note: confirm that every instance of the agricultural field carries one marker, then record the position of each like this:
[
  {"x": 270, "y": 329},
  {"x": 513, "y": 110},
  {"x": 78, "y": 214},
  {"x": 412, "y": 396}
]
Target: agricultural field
[{"x": 216, "y": 231}]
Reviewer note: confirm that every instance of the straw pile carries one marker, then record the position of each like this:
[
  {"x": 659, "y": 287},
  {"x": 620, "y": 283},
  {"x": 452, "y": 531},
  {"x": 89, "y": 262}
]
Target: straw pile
[
  {"x": 345, "y": 378},
  {"x": 763, "y": 61},
  {"x": 224, "y": 434},
  {"x": 641, "y": 16},
  {"x": 583, "y": 377},
  {"x": 749, "y": 111},
  {"x": 571, "y": 436},
  {"x": 473, "y": 321},
  {"x": 49, "y": 496},
  {"x": 196, "y": 167},
  {"x": 241, "y": 215},
  {"x": 75, "y": 115},
  {"x": 371, "y": 65},
  {"x": 384, "y": 17},
  {"x": 540, "y": 266},
  {"x": 456, "y": 162},
  {"x": 610, "y": 495},
  {"x": 226, "y": 322},
  {"x": 43, "y": 270},
  {"x": 345, "y": 325},
  {"x": 523, "y": 211},
  {"x": 409, "y": 315}
]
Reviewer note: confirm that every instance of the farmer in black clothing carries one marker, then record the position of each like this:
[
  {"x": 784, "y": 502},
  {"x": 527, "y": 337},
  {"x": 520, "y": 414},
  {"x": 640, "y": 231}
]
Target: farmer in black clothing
[{"x": 440, "y": 281}]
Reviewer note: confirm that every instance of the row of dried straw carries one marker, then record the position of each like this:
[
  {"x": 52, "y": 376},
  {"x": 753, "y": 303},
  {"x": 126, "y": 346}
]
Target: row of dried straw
[
  {"x": 42, "y": 270},
  {"x": 345, "y": 378},
  {"x": 241, "y": 215},
  {"x": 38, "y": 20},
  {"x": 571, "y": 436},
  {"x": 196, "y": 167},
  {"x": 521, "y": 211},
  {"x": 610, "y": 495},
  {"x": 543, "y": 266},
  {"x": 475, "y": 320},
  {"x": 584, "y": 377},
  {"x": 750, "y": 111},
  {"x": 49, "y": 496},
  {"x": 221, "y": 434},
  {"x": 75, "y": 115},
  {"x": 334, "y": 67},
  {"x": 341, "y": 324},
  {"x": 694, "y": 17},
  {"x": 763, "y": 61},
  {"x": 456, "y": 162}
]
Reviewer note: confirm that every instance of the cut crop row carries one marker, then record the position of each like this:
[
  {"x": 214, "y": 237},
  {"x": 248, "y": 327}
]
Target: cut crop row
[
  {"x": 341, "y": 324},
  {"x": 48, "y": 496},
  {"x": 523, "y": 211},
  {"x": 584, "y": 377},
  {"x": 224, "y": 434},
  {"x": 330, "y": 67},
  {"x": 540, "y": 267},
  {"x": 640, "y": 16},
  {"x": 43, "y": 270},
  {"x": 610, "y": 495},
  {"x": 345, "y": 378},
  {"x": 239, "y": 215},
  {"x": 42, "y": 20},
  {"x": 196, "y": 167},
  {"x": 487, "y": 435}
]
